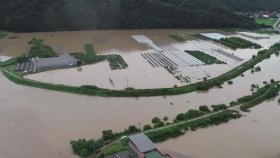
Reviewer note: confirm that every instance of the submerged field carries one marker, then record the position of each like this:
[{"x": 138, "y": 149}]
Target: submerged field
[{"x": 36, "y": 116}]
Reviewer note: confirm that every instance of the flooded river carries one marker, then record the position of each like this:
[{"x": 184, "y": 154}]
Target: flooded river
[
  {"x": 104, "y": 41},
  {"x": 40, "y": 122},
  {"x": 36, "y": 122}
]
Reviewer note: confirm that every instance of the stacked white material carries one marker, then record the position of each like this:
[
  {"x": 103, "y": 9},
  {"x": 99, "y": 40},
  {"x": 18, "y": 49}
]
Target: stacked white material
[
  {"x": 253, "y": 35},
  {"x": 183, "y": 56},
  {"x": 146, "y": 41},
  {"x": 213, "y": 36}
]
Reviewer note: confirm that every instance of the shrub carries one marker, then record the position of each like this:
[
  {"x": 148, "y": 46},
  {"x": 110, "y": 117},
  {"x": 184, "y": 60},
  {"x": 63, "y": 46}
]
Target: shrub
[
  {"x": 147, "y": 127},
  {"x": 219, "y": 107},
  {"x": 156, "y": 120},
  {"x": 165, "y": 118},
  {"x": 204, "y": 108},
  {"x": 180, "y": 117}
]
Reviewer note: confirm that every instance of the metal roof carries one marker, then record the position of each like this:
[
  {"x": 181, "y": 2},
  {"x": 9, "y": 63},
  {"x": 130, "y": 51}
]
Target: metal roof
[
  {"x": 142, "y": 142},
  {"x": 56, "y": 62}
]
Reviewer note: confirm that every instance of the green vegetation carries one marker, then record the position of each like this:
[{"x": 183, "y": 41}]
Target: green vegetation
[
  {"x": 207, "y": 59},
  {"x": 89, "y": 57},
  {"x": 256, "y": 69},
  {"x": 116, "y": 62},
  {"x": 177, "y": 37},
  {"x": 175, "y": 131},
  {"x": 236, "y": 42},
  {"x": 266, "y": 21},
  {"x": 191, "y": 120},
  {"x": 219, "y": 107},
  {"x": 3, "y": 34},
  {"x": 39, "y": 50},
  {"x": 56, "y": 15},
  {"x": 201, "y": 86},
  {"x": 269, "y": 91}
]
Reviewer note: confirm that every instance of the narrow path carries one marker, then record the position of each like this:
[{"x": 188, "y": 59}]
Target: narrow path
[{"x": 276, "y": 26}]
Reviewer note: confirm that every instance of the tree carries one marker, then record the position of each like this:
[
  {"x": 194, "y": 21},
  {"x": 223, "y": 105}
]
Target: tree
[
  {"x": 180, "y": 117},
  {"x": 165, "y": 118},
  {"x": 107, "y": 135},
  {"x": 204, "y": 108},
  {"x": 156, "y": 120},
  {"x": 147, "y": 127}
]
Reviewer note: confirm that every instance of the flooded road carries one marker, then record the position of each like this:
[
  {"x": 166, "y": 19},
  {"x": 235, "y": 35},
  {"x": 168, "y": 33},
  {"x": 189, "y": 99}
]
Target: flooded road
[{"x": 253, "y": 136}]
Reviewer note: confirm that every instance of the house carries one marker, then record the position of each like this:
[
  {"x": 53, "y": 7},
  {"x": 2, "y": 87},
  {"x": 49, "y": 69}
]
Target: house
[{"x": 140, "y": 146}]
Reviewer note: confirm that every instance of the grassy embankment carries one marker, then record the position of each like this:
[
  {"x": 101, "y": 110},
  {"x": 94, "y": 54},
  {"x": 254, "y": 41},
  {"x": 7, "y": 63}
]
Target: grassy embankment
[
  {"x": 207, "y": 59},
  {"x": 160, "y": 130},
  {"x": 201, "y": 86},
  {"x": 236, "y": 42},
  {"x": 266, "y": 21}
]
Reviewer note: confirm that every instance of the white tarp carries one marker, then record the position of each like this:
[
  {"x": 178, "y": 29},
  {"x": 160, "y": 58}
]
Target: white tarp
[{"x": 214, "y": 36}]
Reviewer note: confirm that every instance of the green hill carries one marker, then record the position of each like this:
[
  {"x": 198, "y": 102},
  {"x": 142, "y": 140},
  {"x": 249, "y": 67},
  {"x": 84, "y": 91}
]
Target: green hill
[{"x": 54, "y": 15}]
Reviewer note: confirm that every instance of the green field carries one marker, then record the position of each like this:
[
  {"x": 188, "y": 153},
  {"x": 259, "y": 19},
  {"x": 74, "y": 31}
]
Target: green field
[
  {"x": 266, "y": 21},
  {"x": 3, "y": 34},
  {"x": 236, "y": 42}
]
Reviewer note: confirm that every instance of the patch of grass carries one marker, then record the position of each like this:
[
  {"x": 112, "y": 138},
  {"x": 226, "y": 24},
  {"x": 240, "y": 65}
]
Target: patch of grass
[
  {"x": 266, "y": 21},
  {"x": 89, "y": 57},
  {"x": 236, "y": 42},
  {"x": 3, "y": 34},
  {"x": 207, "y": 59},
  {"x": 39, "y": 49},
  {"x": 116, "y": 62},
  {"x": 177, "y": 37}
]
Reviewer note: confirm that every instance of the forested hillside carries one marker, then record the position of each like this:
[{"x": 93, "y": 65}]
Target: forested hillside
[{"x": 52, "y": 15}]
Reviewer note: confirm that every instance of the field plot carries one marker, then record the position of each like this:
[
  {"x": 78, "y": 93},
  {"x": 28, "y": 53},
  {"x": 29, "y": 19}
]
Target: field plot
[
  {"x": 264, "y": 42},
  {"x": 167, "y": 56},
  {"x": 139, "y": 74}
]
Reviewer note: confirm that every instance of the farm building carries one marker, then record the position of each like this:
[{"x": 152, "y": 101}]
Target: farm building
[
  {"x": 64, "y": 61},
  {"x": 140, "y": 146},
  {"x": 213, "y": 36},
  {"x": 253, "y": 35},
  {"x": 45, "y": 64}
]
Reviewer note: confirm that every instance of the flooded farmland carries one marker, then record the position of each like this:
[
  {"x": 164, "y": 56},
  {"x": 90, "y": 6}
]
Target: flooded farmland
[
  {"x": 73, "y": 41},
  {"x": 40, "y": 122},
  {"x": 30, "y": 114}
]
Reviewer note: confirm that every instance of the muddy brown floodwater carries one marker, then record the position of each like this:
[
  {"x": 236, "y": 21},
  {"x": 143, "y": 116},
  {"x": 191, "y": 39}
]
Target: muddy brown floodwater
[
  {"x": 253, "y": 136},
  {"x": 40, "y": 123},
  {"x": 104, "y": 41}
]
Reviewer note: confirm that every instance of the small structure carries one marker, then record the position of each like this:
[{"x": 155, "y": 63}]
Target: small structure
[
  {"x": 45, "y": 64},
  {"x": 64, "y": 61},
  {"x": 253, "y": 35},
  {"x": 213, "y": 36},
  {"x": 140, "y": 146}
]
